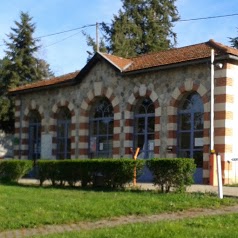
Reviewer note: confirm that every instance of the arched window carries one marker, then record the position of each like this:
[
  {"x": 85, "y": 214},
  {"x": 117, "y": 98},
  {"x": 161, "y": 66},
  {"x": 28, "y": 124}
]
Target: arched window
[
  {"x": 144, "y": 123},
  {"x": 190, "y": 131},
  {"x": 101, "y": 129},
  {"x": 63, "y": 134},
  {"x": 34, "y": 135}
]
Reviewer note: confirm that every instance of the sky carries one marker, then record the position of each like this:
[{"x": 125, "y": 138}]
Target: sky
[{"x": 67, "y": 52}]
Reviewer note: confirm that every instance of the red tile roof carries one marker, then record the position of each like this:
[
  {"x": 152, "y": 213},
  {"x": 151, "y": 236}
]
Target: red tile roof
[
  {"x": 162, "y": 58},
  {"x": 48, "y": 82}
]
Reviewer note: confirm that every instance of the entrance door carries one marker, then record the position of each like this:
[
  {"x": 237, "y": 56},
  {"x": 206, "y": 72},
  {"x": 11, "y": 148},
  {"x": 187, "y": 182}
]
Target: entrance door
[{"x": 190, "y": 132}]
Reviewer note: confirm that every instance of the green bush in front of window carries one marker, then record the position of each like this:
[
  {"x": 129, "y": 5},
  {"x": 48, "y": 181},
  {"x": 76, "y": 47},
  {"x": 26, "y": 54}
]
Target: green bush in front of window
[
  {"x": 13, "y": 170},
  {"x": 112, "y": 173},
  {"x": 174, "y": 173}
]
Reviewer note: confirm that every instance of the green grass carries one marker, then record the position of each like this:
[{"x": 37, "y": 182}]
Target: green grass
[
  {"x": 34, "y": 206},
  {"x": 202, "y": 227}
]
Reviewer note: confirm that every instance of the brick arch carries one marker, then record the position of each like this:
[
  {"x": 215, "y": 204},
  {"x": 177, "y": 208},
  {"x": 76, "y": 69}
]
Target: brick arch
[
  {"x": 98, "y": 90},
  {"x": 188, "y": 87},
  {"x": 141, "y": 92},
  {"x": 25, "y": 126},
  {"x": 53, "y": 125}
]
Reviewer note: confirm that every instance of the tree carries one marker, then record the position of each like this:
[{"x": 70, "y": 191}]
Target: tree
[
  {"x": 141, "y": 26},
  {"x": 19, "y": 66},
  {"x": 234, "y": 42}
]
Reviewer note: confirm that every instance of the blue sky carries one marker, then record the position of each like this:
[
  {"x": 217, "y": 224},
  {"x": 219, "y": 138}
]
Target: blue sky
[{"x": 68, "y": 55}]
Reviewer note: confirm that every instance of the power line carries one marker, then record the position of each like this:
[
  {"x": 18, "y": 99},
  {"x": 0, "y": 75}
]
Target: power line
[
  {"x": 91, "y": 25},
  {"x": 206, "y": 18}
]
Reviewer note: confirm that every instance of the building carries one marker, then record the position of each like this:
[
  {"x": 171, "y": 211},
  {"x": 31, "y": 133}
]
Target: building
[{"x": 160, "y": 102}]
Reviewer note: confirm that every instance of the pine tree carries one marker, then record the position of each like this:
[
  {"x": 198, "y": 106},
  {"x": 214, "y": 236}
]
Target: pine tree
[
  {"x": 141, "y": 26},
  {"x": 20, "y": 66}
]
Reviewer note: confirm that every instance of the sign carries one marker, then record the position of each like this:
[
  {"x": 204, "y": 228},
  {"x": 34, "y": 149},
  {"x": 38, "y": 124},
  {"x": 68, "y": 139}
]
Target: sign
[
  {"x": 234, "y": 159},
  {"x": 198, "y": 142}
]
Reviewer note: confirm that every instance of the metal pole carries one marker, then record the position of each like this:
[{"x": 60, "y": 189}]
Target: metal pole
[
  {"x": 97, "y": 40},
  {"x": 219, "y": 177},
  {"x": 212, "y": 101}
]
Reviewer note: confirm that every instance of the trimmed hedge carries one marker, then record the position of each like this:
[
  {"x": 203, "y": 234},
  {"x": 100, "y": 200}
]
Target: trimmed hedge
[
  {"x": 110, "y": 173},
  {"x": 176, "y": 173},
  {"x": 12, "y": 170}
]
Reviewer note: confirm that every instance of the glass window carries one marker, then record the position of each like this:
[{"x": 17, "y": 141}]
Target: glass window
[
  {"x": 144, "y": 124},
  {"x": 101, "y": 129},
  {"x": 190, "y": 131},
  {"x": 63, "y": 134},
  {"x": 34, "y": 135}
]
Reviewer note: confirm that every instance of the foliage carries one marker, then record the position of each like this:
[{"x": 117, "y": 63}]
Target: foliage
[
  {"x": 13, "y": 170},
  {"x": 110, "y": 173},
  {"x": 141, "y": 27},
  {"x": 20, "y": 66},
  {"x": 176, "y": 173}
]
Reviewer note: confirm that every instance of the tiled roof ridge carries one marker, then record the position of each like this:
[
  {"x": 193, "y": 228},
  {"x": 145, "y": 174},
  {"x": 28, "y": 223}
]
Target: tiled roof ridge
[
  {"x": 220, "y": 46},
  {"x": 166, "y": 50}
]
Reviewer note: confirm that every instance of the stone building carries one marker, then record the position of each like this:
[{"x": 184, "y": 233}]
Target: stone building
[{"x": 160, "y": 102}]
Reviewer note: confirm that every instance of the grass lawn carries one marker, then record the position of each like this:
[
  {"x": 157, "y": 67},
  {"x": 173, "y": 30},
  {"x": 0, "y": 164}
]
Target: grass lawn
[
  {"x": 202, "y": 227},
  {"x": 34, "y": 206}
]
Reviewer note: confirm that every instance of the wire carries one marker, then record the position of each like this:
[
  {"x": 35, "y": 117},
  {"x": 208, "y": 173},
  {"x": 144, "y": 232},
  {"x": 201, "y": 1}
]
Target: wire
[
  {"x": 61, "y": 32},
  {"x": 62, "y": 40},
  {"x": 206, "y": 18}
]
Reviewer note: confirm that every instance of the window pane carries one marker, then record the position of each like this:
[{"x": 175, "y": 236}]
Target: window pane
[
  {"x": 185, "y": 121},
  {"x": 185, "y": 138},
  {"x": 198, "y": 120}
]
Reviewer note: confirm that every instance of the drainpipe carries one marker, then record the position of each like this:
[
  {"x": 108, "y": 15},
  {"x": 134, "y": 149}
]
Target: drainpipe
[{"x": 212, "y": 103}]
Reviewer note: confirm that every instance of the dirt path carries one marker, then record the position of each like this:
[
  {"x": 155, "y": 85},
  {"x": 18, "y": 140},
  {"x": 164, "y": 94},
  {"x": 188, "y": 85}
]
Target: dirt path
[{"x": 50, "y": 229}]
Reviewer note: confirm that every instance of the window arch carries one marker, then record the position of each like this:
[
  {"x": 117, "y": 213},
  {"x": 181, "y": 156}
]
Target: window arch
[
  {"x": 34, "y": 135},
  {"x": 63, "y": 134},
  {"x": 144, "y": 122},
  {"x": 190, "y": 131},
  {"x": 101, "y": 129}
]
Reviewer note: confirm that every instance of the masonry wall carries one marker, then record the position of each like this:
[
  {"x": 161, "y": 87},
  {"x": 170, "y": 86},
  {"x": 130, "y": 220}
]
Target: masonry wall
[{"x": 165, "y": 88}]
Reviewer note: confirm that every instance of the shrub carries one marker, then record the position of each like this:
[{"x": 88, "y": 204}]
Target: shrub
[
  {"x": 104, "y": 172},
  {"x": 13, "y": 170},
  {"x": 176, "y": 173}
]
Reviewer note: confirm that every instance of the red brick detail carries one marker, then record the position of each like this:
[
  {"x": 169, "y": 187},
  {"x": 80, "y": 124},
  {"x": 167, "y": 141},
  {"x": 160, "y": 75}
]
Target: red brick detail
[
  {"x": 72, "y": 138},
  {"x": 25, "y": 130},
  {"x": 157, "y": 120},
  {"x": 223, "y": 148},
  {"x": 72, "y": 152},
  {"x": 206, "y": 148},
  {"x": 206, "y": 132},
  {"x": 172, "y": 134},
  {"x": 116, "y": 123},
  {"x": 223, "y": 115},
  {"x": 116, "y": 109},
  {"x": 116, "y": 137},
  {"x": 72, "y": 126},
  {"x": 172, "y": 119},
  {"x": 224, "y": 82},
  {"x": 223, "y": 131},
  {"x": 129, "y": 122},
  {"x": 223, "y": 98},
  {"x": 156, "y": 150},
  {"x": 128, "y": 136},
  {"x": 84, "y": 139},
  {"x": 206, "y": 116},
  {"x": 116, "y": 151},
  {"x": 24, "y": 141},
  {"x": 17, "y": 130},
  {"x": 205, "y": 165},
  {"x": 157, "y": 135},
  {"x": 53, "y": 128},
  {"x": 84, "y": 126},
  {"x": 83, "y": 152}
]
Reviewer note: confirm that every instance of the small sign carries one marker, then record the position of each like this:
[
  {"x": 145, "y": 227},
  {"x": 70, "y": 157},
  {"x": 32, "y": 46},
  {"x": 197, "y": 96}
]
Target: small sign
[
  {"x": 198, "y": 142},
  {"x": 234, "y": 159}
]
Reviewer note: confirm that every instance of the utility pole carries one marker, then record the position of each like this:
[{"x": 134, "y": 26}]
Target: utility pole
[{"x": 97, "y": 40}]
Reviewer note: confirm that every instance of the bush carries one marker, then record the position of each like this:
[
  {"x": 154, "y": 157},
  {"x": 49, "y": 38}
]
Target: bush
[
  {"x": 176, "y": 173},
  {"x": 98, "y": 172},
  {"x": 13, "y": 170}
]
